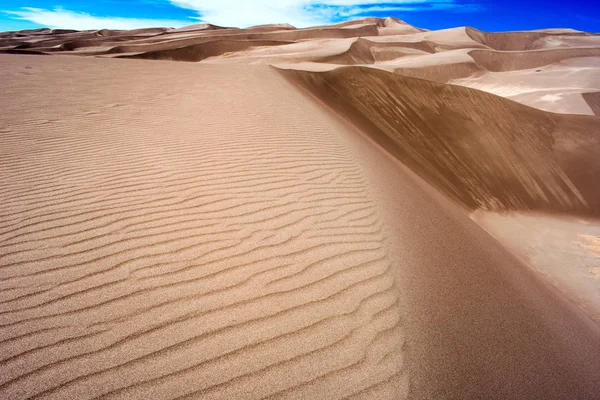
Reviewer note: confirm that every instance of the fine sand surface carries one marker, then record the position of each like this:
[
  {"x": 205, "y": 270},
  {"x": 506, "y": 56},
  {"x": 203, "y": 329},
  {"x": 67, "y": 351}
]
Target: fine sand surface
[
  {"x": 177, "y": 231},
  {"x": 223, "y": 228},
  {"x": 565, "y": 250}
]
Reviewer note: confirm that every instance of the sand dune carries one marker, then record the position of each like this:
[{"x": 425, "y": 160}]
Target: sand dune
[
  {"x": 483, "y": 151},
  {"x": 512, "y": 61},
  {"x": 201, "y": 51},
  {"x": 593, "y": 100},
  {"x": 462, "y": 56},
  {"x": 136, "y": 263},
  {"x": 530, "y": 40},
  {"x": 576, "y": 80},
  {"x": 220, "y": 228}
]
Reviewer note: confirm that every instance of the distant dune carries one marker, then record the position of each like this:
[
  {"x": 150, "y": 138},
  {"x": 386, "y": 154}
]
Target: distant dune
[
  {"x": 464, "y": 56},
  {"x": 364, "y": 210}
]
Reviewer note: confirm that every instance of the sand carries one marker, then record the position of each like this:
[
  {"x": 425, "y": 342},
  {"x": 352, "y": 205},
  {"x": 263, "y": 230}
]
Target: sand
[
  {"x": 481, "y": 150},
  {"x": 500, "y": 63},
  {"x": 566, "y": 250},
  {"x": 225, "y": 228},
  {"x": 237, "y": 251}
]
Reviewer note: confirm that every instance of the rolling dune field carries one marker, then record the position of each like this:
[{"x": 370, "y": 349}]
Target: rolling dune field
[{"x": 288, "y": 214}]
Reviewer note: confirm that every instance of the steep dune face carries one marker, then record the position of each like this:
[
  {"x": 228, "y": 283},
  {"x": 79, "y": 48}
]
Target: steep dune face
[
  {"x": 442, "y": 73},
  {"x": 593, "y": 100},
  {"x": 359, "y": 52},
  {"x": 481, "y": 150},
  {"x": 387, "y": 25},
  {"x": 451, "y": 39},
  {"x": 439, "y": 67}
]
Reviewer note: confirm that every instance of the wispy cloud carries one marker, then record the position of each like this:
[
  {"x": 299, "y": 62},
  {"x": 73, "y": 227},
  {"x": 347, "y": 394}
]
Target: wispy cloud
[
  {"x": 59, "y": 18},
  {"x": 241, "y": 13},
  {"x": 306, "y": 12}
]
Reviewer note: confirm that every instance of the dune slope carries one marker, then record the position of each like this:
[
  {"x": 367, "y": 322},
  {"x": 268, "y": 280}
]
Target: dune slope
[
  {"x": 185, "y": 237},
  {"x": 483, "y": 151},
  {"x": 593, "y": 100},
  {"x": 223, "y": 229},
  {"x": 170, "y": 233},
  {"x": 503, "y": 63}
]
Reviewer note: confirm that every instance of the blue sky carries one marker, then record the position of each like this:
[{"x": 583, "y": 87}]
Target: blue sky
[{"x": 432, "y": 14}]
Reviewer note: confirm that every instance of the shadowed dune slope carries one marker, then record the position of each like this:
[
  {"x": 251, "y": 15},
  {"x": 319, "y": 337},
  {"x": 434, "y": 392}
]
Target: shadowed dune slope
[
  {"x": 593, "y": 100},
  {"x": 201, "y": 51},
  {"x": 358, "y": 53},
  {"x": 481, "y": 150},
  {"x": 442, "y": 73}
]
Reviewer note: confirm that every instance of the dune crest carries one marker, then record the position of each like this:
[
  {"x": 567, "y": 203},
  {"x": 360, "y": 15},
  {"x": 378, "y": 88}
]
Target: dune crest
[{"x": 483, "y": 151}]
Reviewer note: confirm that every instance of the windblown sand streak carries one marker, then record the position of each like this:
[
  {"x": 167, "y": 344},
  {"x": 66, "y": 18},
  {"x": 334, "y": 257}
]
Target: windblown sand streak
[
  {"x": 526, "y": 161},
  {"x": 214, "y": 260}
]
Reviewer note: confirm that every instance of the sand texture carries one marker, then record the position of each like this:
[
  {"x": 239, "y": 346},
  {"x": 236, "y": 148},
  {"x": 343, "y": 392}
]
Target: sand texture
[{"x": 288, "y": 213}]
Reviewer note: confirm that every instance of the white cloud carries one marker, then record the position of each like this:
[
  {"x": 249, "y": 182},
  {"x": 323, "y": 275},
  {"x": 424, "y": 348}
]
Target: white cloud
[
  {"x": 299, "y": 13},
  {"x": 239, "y": 13},
  {"x": 59, "y": 18}
]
